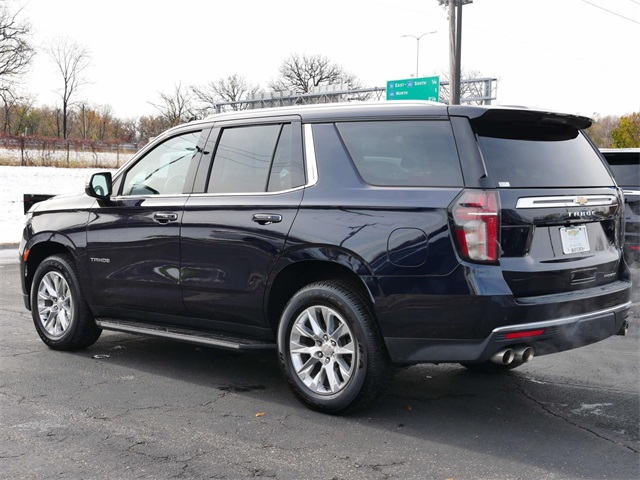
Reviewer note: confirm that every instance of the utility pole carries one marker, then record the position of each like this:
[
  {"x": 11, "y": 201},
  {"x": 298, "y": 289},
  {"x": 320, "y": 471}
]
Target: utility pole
[
  {"x": 453, "y": 68},
  {"x": 456, "y": 96},
  {"x": 455, "y": 46}
]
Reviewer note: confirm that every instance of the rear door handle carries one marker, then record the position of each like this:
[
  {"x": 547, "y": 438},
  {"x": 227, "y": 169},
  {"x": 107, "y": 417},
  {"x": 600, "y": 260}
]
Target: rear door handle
[
  {"x": 165, "y": 217},
  {"x": 266, "y": 218}
]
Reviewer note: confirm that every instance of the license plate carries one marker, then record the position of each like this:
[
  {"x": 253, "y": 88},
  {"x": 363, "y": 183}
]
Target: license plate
[{"x": 574, "y": 239}]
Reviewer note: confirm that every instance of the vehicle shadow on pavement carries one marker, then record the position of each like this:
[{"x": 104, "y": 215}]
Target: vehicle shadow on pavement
[{"x": 503, "y": 416}]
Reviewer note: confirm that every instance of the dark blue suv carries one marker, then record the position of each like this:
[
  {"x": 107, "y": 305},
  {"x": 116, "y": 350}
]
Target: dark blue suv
[
  {"x": 348, "y": 238},
  {"x": 625, "y": 165}
]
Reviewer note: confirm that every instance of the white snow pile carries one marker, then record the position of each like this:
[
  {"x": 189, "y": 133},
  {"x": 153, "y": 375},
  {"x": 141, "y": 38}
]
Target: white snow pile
[{"x": 16, "y": 181}]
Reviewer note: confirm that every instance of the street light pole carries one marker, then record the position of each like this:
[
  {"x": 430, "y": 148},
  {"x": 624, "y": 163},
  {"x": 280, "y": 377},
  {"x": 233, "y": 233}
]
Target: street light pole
[{"x": 418, "y": 48}]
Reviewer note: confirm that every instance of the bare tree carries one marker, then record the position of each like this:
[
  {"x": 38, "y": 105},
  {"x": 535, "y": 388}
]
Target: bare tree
[
  {"x": 15, "y": 56},
  {"x": 175, "y": 107},
  {"x": 468, "y": 90},
  {"x": 602, "y": 128},
  {"x": 72, "y": 59},
  {"x": 14, "y": 107},
  {"x": 233, "y": 88},
  {"x": 301, "y": 74},
  {"x": 149, "y": 126},
  {"x": 15, "y": 50},
  {"x": 105, "y": 119},
  {"x": 8, "y": 105},
  {"x": 17, "y": 110}
]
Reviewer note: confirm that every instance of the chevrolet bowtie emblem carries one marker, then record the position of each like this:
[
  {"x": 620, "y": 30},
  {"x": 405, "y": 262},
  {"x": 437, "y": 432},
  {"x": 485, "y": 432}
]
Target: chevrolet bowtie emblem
[{"x": 581, "y": 200}]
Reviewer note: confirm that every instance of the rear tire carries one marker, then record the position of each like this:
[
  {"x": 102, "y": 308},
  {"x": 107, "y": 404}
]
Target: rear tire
[
  {"x": 330, "y": 349},
  {"x": 60, "y": 312}
]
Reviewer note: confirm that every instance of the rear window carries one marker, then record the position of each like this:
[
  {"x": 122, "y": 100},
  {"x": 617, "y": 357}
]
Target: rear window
[
  {"x": 403, "y": 153},
  {"x": 528, "y": 155},
  {"x": 625, "y": 167}
]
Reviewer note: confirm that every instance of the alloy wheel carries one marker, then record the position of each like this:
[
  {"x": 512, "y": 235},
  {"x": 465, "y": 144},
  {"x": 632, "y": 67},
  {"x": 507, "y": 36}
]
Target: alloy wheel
[
  {"x": 55, "y": 305},
  {"x": 323, "y": 350}
]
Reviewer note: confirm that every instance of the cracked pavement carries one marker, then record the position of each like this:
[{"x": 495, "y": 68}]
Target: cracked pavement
[{"x": 150, "y": 408}]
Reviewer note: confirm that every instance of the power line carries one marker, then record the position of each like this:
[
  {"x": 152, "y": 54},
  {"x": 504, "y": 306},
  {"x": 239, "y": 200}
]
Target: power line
[{"x": 612, "y": 13}]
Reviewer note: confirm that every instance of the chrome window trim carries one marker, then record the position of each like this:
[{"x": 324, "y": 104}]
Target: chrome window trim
[
  {"x": 165, "y": 195},
  {"x": 310, "y": 156},
  {"x": 631, "y": 192},
  {"x": 247, "y": 194},
  {"x": 567, "y": 201}
]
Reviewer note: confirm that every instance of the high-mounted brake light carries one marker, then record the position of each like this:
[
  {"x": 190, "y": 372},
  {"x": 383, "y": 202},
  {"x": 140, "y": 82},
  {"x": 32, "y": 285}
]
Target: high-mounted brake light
[{"x": 476, "y": 223}]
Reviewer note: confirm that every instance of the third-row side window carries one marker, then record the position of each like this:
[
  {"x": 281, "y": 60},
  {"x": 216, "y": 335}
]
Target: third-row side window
[{"x": 407, "y": 153}]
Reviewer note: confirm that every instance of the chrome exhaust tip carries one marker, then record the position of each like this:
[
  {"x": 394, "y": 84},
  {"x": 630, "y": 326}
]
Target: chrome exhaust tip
[
  {"x": 504, "y": 356},
  {"x": 524, "y": 354}
]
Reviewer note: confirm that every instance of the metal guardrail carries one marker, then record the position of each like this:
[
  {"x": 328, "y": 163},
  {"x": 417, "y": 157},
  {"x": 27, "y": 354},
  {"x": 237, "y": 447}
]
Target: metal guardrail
[{"x": 480, "y": 91}]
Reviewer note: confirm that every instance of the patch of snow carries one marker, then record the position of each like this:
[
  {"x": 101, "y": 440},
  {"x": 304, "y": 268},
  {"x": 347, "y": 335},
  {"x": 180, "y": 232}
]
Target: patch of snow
[{"x": 16, "y": 181}]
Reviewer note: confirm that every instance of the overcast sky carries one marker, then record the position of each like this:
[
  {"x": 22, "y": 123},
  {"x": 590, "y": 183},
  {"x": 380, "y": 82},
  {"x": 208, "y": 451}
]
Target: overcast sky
[{"x": 566, "y": 55}]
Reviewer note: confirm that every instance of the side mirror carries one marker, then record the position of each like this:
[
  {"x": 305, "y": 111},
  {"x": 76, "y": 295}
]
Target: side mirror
[{"x": 99, "y": 185}]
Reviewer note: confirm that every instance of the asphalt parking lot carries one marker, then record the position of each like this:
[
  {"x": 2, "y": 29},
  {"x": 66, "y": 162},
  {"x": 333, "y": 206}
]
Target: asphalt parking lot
[{"x": 135, "y": 407}]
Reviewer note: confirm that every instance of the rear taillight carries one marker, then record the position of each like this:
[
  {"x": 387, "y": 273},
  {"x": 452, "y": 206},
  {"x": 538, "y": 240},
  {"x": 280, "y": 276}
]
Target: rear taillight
[{"x": 476, "y": 223}]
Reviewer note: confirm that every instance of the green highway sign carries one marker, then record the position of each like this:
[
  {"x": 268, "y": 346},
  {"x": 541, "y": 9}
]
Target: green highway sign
[{"x": 426, "y": 88}]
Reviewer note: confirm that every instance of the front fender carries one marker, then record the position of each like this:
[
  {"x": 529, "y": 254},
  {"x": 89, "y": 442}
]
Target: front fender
[{"x": 43, "y": 245}]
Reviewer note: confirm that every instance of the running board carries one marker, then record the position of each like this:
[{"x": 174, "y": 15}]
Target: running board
[{"x": 184, "y": 335}]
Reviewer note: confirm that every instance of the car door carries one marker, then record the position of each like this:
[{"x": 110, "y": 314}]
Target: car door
[
  {"x": 234, "y": 231},
  {"x": 134, "y": 237}
]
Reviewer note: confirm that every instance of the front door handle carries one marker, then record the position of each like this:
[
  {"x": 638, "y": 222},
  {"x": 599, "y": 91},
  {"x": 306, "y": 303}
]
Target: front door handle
[
  {"x": 266, "y": 218},
  {"x": 165, "y": 217}
]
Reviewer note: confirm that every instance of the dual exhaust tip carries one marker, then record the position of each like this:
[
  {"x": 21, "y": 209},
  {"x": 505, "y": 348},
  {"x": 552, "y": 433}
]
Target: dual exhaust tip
[
  {"x": 509, "y": 355},
  {"x": 524, "y": 354}
]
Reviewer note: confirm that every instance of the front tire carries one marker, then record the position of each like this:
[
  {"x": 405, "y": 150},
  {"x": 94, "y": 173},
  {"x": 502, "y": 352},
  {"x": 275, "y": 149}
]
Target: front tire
[
  {"x": 330, "y": 349},
  {"x": 60, "y": 313}
]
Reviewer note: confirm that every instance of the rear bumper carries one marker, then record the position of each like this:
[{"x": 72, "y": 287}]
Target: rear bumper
[{"x": 557, "y": 335}]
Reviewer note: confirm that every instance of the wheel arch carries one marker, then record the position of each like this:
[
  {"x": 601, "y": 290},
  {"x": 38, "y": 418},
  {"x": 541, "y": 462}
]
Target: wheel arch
[
  {"x": 41, "y": 247},
  {"x": 304, "y": 267}
]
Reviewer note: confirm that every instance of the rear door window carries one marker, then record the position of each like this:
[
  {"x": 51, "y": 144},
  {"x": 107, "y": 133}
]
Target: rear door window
[
  {"x": 416, "y": 153},
  {"x": 530, "y": 155},
  {"x": 256, "y": 159}
]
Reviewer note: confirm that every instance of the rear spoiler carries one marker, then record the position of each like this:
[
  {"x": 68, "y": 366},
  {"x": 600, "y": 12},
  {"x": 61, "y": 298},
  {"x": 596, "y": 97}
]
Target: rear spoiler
[
  {"x": 30, "y": 199},
  {"x": 508, "y": 115}
]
